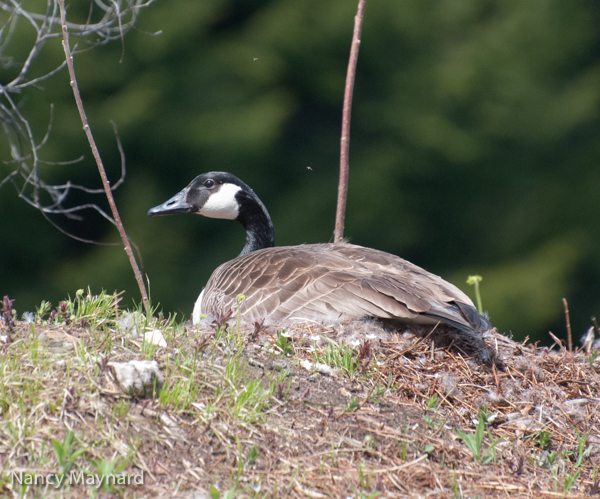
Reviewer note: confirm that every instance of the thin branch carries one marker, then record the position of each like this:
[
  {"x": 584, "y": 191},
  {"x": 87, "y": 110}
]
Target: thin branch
[
  {"x": 110, "y": 27},
  {"x": 568, "y": 319},
  {"x": 117, "y": 17},
  {"x": 345, "y": 141},
  {"x": 72, "y": 236},
  {"x": 96, "y": 153}
]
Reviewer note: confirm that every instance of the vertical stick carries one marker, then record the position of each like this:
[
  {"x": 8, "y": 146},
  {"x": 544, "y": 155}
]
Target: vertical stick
[
  {"x": 347, "y": 109},
  {"x": 569, "y": 336},
  {"x": 96, "y": 153}
]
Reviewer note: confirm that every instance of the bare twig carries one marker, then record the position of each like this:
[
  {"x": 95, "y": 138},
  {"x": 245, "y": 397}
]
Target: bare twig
[
  {"x": 116, "y": 18},
  {"x": 557, "y": 341},
  {"x": 347, "y": 109},
  {"x": 96, "y": 153},
  {"x": 568, "y": 319}
]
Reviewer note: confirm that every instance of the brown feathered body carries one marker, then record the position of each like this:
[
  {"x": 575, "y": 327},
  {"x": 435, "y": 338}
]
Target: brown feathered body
[{"x": 320, "y": 282}]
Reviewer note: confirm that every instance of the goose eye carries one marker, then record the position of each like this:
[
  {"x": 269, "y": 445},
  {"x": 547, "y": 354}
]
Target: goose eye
[{"x": 209, "y": 183}]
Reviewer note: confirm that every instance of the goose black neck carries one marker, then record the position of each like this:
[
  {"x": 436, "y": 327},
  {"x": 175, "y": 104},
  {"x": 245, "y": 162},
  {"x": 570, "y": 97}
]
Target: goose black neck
[{"x": 256, "y": 220}]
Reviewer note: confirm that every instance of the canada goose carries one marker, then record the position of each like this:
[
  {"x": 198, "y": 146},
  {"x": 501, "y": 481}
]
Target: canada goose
[{"x": 316, "y": 281}]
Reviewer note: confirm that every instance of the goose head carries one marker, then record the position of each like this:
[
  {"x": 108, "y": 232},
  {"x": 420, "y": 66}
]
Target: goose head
[{"x": 223, "y": 195}]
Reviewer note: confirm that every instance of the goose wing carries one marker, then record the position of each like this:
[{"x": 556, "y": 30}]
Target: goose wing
[{"x": 336, "y": 281}]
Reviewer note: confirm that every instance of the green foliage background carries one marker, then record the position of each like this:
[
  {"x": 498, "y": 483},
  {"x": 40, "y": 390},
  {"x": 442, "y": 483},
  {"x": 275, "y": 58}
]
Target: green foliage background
[{"x": 474, "y": 147}]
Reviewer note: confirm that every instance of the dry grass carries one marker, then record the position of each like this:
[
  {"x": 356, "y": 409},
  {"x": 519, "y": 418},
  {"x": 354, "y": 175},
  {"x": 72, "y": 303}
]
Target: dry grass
[{"x": 241, "y": 416}]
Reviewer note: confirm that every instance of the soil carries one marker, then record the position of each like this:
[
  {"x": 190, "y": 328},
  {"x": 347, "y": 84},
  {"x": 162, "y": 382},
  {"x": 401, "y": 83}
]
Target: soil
[{"x": 388, "y": 428}]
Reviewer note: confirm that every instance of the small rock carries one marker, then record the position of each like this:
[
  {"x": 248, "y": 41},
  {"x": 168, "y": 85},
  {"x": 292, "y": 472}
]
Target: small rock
[
  {"x": 138, "y": 378},
  {"x": 58, "y": 341},
  {"x": 156, "y": 338},
  {"x": 318, "y": 367}
]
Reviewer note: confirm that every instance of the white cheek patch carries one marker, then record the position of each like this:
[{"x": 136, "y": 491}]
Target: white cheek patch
[{"x": 222, "y": 204}]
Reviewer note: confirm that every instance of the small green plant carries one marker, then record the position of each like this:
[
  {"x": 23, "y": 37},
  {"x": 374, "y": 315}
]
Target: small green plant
[
  {"x": 363, "y": 483},
  {"x": 569, "y": 482},
  {"x": 42, "y": 310},
  {"x": 339, "y": 356},
  {"x": 249, "y": 402},
  {"x": 86, "y": 309},
  {"x": 432, "y": 403},
  {"x": 582, "y": 450},
  {"x": 280, "y": 387},
  {"x": 361, "y": 474},
  {"x": 432, "y": 406},
  {"x": 403, "y": 450},
  {"x": 592, "y": 357},
  {"x": 240, "y": 462},
  {"x": 121, "y": 408},
  {"x": 403, "y": 445},
  {"x": 361, "y": 494},
  {"x": 475, "y": 442},
  {"x": 239, "y": 299},
  {"x": 352, "y": 405},
  {"x": 555, "y": 462},
  {"x": 149, "y": 349},
  {"x": 180, "y": 395},
  {"x": 220, "y": 324},
  {"x": 65, "y": 453},
  {"x": 550, "y": 458},
  {"x": 108, "y": 468},
  {"x": 430, "y": 422},
  {"x": 214, "y": 492},
  {"x": 390, "y": 381},
  {"x": 456, "y": 490},
  {"x": 474, "y": 280},
  {"x": 378, "y": 391},
  {"x": 283, "y": 344},
  {"x": 333, "y": 456},
  {"x": 543, "y": 439},
  {"x": 234, "y": 370},
  {"x": 252, "y": 455}
]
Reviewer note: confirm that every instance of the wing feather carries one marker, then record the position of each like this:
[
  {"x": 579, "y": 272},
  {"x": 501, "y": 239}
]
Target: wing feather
[{"x": 335, "y": 280}]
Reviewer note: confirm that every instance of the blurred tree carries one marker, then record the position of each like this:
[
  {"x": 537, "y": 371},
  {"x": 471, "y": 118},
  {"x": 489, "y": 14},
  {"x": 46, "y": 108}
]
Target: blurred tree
[{"x": 474, "y": 146}]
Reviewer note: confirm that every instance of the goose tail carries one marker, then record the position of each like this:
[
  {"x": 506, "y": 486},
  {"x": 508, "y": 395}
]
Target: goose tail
[{"x": 464, "y": 328}]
